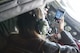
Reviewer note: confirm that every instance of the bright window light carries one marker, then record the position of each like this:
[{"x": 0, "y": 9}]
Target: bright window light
[{"x": 72, "y": 7}]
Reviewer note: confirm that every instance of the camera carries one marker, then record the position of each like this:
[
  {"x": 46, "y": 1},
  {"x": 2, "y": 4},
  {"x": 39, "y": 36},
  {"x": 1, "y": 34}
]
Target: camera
[{"x": 59, "y": 14}]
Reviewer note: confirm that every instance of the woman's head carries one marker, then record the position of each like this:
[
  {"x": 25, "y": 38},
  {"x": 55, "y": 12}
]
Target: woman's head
[
  {"x": 26, "y": 22},
  {"x": 27, "y": 26}
]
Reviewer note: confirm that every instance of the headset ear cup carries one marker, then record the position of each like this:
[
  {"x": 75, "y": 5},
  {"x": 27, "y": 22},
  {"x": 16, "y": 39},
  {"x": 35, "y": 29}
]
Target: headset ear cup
[{"x": 38, "y": 25}]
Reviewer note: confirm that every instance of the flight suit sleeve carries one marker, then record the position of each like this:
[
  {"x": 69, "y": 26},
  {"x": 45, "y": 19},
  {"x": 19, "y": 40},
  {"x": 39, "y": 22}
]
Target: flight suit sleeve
[{"x": 69, "y": 45}]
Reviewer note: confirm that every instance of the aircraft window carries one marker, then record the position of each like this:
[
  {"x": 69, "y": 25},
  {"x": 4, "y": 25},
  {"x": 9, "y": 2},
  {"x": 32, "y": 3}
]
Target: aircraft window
[{"x": 72, "y": 7}]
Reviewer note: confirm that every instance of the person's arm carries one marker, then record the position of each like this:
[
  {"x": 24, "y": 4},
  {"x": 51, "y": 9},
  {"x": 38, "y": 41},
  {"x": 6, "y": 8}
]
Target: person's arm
[
  {"x": 52, "y": 47},
  {"x": 61, "y": 24},
  {"x": 56, "y": 36}
]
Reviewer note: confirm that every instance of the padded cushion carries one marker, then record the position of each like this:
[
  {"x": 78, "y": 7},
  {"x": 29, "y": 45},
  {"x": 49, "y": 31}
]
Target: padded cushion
[{"x": 17, "y": 7}]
